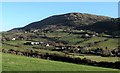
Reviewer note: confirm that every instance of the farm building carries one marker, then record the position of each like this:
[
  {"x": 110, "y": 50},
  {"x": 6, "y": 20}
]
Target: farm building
[
  {"x": 31, "y": 43},
  {"x": 37, "y": 43},
  {"x": 13, "y": 39}
]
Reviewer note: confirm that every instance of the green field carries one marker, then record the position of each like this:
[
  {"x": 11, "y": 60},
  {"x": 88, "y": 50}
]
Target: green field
[
  {"x": 71, "y": 39},
  {"x": 111, "y": 43},
  {"x": 99, "y": 58},
  {"x": 94, "y": 57},
  {"x": 22, "y": 63}
]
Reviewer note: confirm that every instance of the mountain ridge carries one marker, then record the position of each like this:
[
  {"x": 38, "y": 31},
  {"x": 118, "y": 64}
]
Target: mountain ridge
[
  {"x": 75, "y": 16},
  {"x": 74, "y": 20}
]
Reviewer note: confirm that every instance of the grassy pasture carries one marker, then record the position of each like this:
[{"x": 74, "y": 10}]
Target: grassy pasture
[
  {"x": 22, "y": 63},
  {"x": 99, "y": 58},
  {"x": 111, "y": 43}
]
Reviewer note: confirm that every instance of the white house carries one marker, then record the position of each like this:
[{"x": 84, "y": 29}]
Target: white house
[
  {"x": 47, "y": 45},
  {"x": 96, "y": 34},
  {"x": 13, "y": 39},
  {"x": 81, "y": 30},
  {"x": 86, "y": 35},
  {"x": 93, "y": 35},
  {"x": 35, "y": 43}
]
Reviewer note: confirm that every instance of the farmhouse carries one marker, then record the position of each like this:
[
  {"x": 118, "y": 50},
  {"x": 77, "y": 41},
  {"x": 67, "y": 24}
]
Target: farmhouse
[
  {"x": 93, "y": 35},
  {"x": 35, "y": 43},
  {"x": 13, "y": 39},
  {"x": 82, "y": 30},
  {"x": 31, "y": 43},
  {"x": 47, "y": 45},
  {"x": 62, "y": 48},
  {"x": 86, "y": 36}
]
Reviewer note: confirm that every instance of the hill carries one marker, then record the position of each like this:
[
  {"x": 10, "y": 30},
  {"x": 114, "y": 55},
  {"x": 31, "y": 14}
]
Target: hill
[
  {"x": 69, "y": 19},
  {"x": 75, "y": 21}
]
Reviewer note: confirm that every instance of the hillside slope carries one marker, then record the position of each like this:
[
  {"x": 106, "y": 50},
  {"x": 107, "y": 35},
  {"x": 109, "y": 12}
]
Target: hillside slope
[{"x": 110, "y": 26}]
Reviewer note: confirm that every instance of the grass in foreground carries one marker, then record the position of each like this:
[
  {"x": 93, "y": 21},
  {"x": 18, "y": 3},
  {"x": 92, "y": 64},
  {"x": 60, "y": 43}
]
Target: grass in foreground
[{"x": 22, "y": 63}]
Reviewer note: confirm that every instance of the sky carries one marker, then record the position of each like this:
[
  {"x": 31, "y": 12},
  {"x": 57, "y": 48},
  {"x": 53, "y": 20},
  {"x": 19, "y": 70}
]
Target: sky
[{"x": 19, "y": 14}]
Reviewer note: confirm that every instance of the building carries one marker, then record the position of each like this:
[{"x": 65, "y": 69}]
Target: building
[
  {"x": 13, "y": 39},
  {"x": 47, "y": 45},
  {"x": 35, "y": 43}
]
